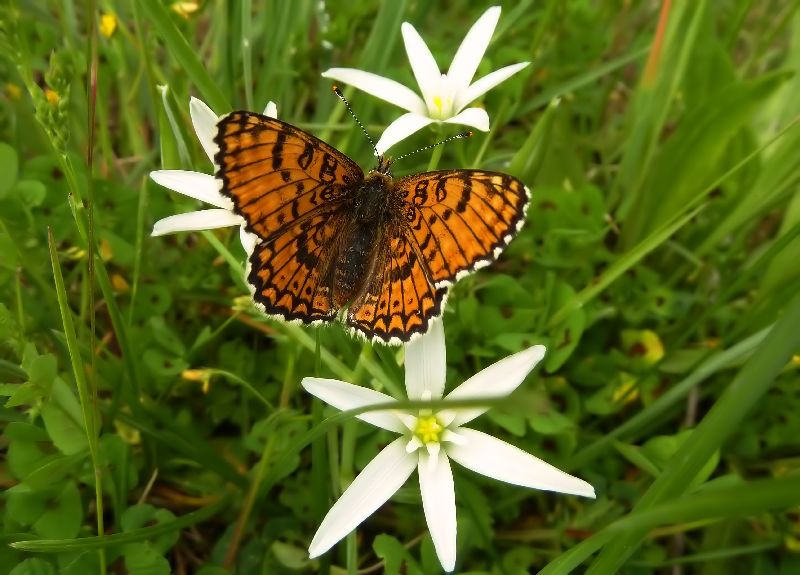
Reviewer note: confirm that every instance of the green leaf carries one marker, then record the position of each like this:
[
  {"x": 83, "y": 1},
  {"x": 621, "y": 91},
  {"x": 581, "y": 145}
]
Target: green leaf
[
  {"x": 142, "y": 559},
  {"x": 9, "y": 166},
  {"x": 566, "y": 335},
  {"x": 30, "y": 192},
  {"x": 63, "y": 515},
  {"x": 68, "y": 435},
  {"x": 34, "y": 566},
  {"x": 395, "y": 556},
  {"x": 144, "y": 515}
]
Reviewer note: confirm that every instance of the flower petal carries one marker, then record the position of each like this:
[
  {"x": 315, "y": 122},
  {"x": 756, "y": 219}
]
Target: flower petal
[
  {"x": 486, "y": 83},
  {"x": 499, "y": 460},
  {"x": 199, "y": 220},
  {"x": 380, "y": 87},
  {"x": 204, "y": 121},
  {"x": 497, "y": 380},
  {"x": 401, "y": 129},
  {"x": 439, "y": 504},
  {"x": 379, "y": 480},
  {"x": 472, "y": 49},
  {"x": 271, "y": 110},
  {"x": 475, "y": 117},
  {"x": 196, "y": 185},
  {"x": 344, "y": 396},
  {"x": 248, "y": 240},
  {"x": 425, "y": 363},
  {"x": 423, "y": 64}
]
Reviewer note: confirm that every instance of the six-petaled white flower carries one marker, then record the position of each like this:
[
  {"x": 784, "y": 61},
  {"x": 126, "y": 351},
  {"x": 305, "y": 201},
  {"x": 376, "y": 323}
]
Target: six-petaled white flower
[
  {"x": 430, "y": 439},
  {"x": 444, "y": 96},
  {"x": 202, "y": 186}
]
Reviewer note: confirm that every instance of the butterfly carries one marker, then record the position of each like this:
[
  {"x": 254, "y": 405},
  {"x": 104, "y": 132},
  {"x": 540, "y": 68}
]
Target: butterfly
[{"x": 332, "y": 240}]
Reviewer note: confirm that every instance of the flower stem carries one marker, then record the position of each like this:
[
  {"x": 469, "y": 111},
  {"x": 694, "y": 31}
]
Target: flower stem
[{"x": 435, "y": 157}]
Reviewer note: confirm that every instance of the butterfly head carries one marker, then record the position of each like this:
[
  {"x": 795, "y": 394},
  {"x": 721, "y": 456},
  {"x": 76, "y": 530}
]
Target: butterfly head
[{"x": 384, "y": 165}]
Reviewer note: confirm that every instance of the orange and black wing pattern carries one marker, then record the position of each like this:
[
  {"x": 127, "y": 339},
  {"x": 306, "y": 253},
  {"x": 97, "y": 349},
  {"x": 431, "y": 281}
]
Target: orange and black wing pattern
[
  {"x": 290, "y": 273},
  {"x": 277, "y": 174},
  {"x": 400, "y": 301},
  {"x": 460, "y": 220}
]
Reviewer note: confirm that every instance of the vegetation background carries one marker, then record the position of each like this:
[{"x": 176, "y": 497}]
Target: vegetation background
[{"x": 144, "y": 397}]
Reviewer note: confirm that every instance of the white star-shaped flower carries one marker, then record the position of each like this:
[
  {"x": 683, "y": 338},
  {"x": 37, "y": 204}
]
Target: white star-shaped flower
[
  {"x": 444, "y": 96},
  {"x": 430, "y": 440},
  {"x": 202, "y": 186}
]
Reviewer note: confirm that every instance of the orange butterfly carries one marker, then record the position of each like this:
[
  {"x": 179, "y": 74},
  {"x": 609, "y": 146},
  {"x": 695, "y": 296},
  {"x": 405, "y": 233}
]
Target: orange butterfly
[{"x": 383, "y": 250}]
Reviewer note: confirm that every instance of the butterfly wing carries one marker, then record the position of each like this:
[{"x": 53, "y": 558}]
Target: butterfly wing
[
  {"x": 276, "y": 173},
  {"x": 400, "y": 301},
  {"x": 290, "y": 273},
  {"x": 292, "y": 190},
  {"x": 460, "y": 220}
]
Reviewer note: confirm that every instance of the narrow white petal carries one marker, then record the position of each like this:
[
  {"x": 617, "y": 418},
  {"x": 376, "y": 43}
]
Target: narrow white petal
[
  {"x": 499, "y": 460},
  {"x": 380, "y": 87},
  {"x": 271, "y": 110},
  {"x": 204, "y": 121},
  {"x": 199, "y": 220},
  {"x": 344, "y": 396},
  {"x": 401, "y": 129},
  {"x": 497, "y": 380},
  {"x": 439, "y": 504},
  {"x": 425, "y": 363},
  {"x": 475, "y": 117},
  {"x": 472, "y": 48},
  {"x": 413, "y": 444},
  {"x": 379, "y": 480},
  {"x": 196, "y": 185},
  {"x": 248, "y": 240},
  {"x": 424, "y": 66},
  {"x": 489, "y": 81}
]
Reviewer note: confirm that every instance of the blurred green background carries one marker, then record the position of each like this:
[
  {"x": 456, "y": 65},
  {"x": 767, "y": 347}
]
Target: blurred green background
[{"x": 660, "y": 264}]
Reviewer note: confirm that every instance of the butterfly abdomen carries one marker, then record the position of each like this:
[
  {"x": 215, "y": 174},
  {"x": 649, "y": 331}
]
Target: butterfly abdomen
[{"x": 360, "y": 243}]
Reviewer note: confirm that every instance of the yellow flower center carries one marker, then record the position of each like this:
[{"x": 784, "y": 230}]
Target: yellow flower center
[
  {"x": 428, "y": 429},
  {"x": 442, "y": 105}
]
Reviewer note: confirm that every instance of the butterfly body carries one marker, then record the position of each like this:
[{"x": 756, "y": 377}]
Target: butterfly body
[
  {"x": 362, "y": 241},
  {"x": 382, "y": 251}
]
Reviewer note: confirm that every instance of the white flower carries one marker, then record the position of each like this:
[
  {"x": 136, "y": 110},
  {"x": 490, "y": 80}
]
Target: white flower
[
  {"x": 444, "y": 96},
  {"x": 202, "y": 186},
  {"x": 429, "y": 440}
]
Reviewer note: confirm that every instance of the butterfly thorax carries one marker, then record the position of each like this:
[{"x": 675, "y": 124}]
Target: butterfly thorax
[{"x": 372, "y": 207}]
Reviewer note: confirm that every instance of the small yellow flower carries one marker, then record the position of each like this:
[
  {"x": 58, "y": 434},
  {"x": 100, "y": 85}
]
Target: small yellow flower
[
  {"x": 108, "y": 24},
  {"x": 185, "y": 9},
  {"x": 120, "y": 284},
  {"x": 105, "y": 250},
  {"x": 199, "y": 375},
  {"x": 627, "y": 390},
  {"x": 796, "y": 360},
  {"x": 13, "y": 91},
  {"x": 643, "y": 343},
  {"x": 75, "y": 253},
  {"x": 52, "y": 96}
]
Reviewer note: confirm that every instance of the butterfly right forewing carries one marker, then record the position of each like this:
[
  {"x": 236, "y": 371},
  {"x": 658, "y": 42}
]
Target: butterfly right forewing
[{"x": 460, "y": 220}]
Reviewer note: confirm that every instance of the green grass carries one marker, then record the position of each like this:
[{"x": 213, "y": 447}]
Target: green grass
[{"x": 152, "y": 420}]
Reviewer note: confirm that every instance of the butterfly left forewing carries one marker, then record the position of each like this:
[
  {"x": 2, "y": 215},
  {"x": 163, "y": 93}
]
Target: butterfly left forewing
[
  {"x": 276, "y": 173},
  {"x": 400, "y": 301},
  {"x": 460, "y": 220}
]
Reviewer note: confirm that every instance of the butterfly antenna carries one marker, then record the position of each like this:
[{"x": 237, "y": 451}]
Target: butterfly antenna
[
  {"x": 338, "y": 92},
  {"x": 458, "y": 136}
]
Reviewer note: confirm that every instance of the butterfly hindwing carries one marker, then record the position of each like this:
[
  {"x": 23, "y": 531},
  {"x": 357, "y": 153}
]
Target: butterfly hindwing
[
  {"x": 400, "y": 301},
  {"x": 276, "y": 173},
  {"x": 461, "y": 220},
  {"x": 290, "y": 273}
]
